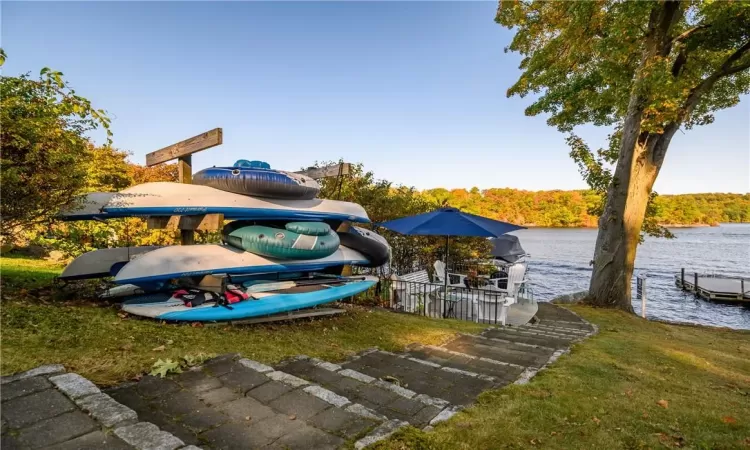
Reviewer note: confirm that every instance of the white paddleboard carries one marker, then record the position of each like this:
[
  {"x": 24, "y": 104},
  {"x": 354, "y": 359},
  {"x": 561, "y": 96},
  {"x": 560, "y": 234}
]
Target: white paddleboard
[
  {"x": 103, "y": 262},
  {"x": 194, "y": 260},
  {"x": 169, "y": 199}
]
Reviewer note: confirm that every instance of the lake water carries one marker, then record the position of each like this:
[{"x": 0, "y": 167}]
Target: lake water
[{"x": 560, "y": 259}]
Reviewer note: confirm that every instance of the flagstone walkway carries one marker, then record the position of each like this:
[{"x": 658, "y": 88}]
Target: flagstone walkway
[{"x": 302, "y": 403}]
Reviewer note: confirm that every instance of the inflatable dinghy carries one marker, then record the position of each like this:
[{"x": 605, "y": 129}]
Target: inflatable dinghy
[
  {"x": 297, "y": 240},
  {"x": 256, "y": 178},
  {"x": 176, "y": 199},
  {"x": 105, "y": 262},
  {"x": 276, "y": 299},
  {"x": 196, "y": 260},
  {"x": 369, "y": 243}
]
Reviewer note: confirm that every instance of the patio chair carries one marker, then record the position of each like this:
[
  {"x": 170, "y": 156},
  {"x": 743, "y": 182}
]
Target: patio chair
[
  {"x": 490, "y": 306},
  {"x": 516, "y": 277},
  {"x": 412, "y": 290},
  {"x": 454, "y": 279}
]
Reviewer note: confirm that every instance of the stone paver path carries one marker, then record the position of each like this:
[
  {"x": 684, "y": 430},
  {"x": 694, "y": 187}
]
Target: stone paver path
[
  {"x": 45, "y": 407},
  {"x": 302, "y": 403}
]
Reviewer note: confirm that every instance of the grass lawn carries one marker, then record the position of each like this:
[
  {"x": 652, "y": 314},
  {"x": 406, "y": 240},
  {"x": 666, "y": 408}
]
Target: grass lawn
[
  {"x": 637, "y": 384},
  {"x": 93, "y": 340}
]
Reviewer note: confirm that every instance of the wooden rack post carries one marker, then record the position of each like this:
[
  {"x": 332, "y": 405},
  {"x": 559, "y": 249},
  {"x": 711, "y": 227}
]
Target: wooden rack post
[{"x": 182, "y": 152}]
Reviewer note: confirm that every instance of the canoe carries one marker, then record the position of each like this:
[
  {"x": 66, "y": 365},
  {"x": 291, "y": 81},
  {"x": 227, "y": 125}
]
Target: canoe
[
  {"x": 176, "y": 199},
  {"x": 105, "y": 262},
  {"x": 196, "y": 260},
  {"x": 274, "y": 301}
]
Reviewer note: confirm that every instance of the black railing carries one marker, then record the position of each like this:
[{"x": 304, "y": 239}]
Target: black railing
[{"x": 433, "y": 300}]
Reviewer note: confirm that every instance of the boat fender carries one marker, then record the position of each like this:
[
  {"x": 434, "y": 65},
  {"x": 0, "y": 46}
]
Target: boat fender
[{"x": 369, "y": 243}]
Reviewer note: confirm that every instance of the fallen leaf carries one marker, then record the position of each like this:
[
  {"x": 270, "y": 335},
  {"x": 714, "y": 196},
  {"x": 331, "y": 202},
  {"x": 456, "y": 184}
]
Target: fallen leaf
[
  {"x": 170, "y": 342},
  {"x": 728, "y": 419},
  {"x": 292, "y": 417},
  {"x": 663, "y": 403},
  {"x": 554, "y": 433},
  {"x": 247, "y": 417},
  {"x": 122, "y": 315},
  {"x": 160, "y": 348},
  {"x": 629, "y": 393},
  {"x": 596, "y": 420},
  {"x": 645, "y": 415},
  {"x": 127, "y": 347},
  {"x": 197, "y": 325}
]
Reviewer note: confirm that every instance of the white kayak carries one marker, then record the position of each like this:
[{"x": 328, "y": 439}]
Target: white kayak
[
  {"x": 105, "y": 262},
  {"x": 176, "y": 199},
  {"x": 195, "y": 260}
]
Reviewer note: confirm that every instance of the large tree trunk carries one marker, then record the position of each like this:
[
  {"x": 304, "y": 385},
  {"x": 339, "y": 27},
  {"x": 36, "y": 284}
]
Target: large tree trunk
[
  {"x": 640, "y": 158},
  {"x": 621, "y": 221}
]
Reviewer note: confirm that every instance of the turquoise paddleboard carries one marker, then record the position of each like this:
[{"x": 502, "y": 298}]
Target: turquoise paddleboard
[{"x": 259, "y": 304}]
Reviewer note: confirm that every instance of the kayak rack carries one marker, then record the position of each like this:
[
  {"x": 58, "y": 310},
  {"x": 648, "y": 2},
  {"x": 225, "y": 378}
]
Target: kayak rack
[{"x": 289, "y": 315}]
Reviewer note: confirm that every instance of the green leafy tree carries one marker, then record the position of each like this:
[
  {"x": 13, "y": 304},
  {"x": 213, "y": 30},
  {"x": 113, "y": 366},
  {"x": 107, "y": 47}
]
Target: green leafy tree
[
  {"x": 45, "y": 151},
  {"x": 645, "y": 68}
]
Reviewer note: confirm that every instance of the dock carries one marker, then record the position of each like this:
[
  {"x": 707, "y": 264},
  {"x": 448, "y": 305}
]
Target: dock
[{"x": 716, "y": 288}]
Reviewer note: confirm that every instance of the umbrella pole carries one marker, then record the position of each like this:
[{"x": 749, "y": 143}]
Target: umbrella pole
[{"x": 445, "y": 275}]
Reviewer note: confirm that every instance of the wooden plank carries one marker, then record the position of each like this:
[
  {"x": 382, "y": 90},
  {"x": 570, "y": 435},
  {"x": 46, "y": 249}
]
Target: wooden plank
[
  {"x": 185, "y": 169},
  {"x": 328, "y": 171},
  {"x": 292, "y": 315},
  {"x": 188, "y": 146},
  {"x": 206, "y": 222},
  {"x": 157, "y": 223}
]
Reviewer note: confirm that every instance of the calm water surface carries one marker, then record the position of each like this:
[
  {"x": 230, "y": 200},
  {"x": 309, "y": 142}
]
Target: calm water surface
[{"x": 560, "y": 258}]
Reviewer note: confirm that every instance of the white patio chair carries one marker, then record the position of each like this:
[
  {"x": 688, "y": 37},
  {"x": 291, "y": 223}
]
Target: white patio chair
[
  {"x": 454, "y": 279},
  {"x": 516, "y": 277},
  {"x": 412, "y": 291}
]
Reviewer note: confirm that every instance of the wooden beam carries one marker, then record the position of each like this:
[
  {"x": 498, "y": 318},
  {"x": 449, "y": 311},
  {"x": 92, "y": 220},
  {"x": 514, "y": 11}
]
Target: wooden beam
[
  {"x": 188, "y": 146},
  {"x": 328, "y": 171},
  {"x": 207, "y": 222},
  {"x": 185, "y": 169}
]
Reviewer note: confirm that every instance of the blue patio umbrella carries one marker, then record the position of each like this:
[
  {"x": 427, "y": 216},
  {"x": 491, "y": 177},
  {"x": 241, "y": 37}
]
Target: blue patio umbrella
[{"x": 449, "y": 222}]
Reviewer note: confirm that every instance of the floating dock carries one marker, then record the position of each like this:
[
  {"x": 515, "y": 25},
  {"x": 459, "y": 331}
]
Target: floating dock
[{"x": 715, "y": 288}]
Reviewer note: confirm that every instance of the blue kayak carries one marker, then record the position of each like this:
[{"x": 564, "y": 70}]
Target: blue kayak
[{"x": 165, "y": 307}]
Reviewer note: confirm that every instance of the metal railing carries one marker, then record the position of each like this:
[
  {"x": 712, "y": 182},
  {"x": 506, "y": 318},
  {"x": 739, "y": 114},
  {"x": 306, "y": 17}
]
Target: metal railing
[{"x": 462, "y": 303}]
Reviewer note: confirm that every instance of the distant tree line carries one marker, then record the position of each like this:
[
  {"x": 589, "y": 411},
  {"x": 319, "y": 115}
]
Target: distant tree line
[{"x": 577, "y": 208}]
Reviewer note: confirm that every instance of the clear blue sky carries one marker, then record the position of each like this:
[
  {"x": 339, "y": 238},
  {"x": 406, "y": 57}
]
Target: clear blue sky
[{"x": 415, "y": 91}]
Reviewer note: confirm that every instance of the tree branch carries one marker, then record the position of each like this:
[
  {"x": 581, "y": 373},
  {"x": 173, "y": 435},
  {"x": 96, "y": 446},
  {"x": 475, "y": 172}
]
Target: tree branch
[
  {"x": 689, "y": 33},
  {"x": 727, "y": 69}
]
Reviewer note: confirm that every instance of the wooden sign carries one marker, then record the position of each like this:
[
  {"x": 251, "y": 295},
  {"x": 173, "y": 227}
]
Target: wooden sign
[
  {"x": 185, "y": 148},
  {"x": 329, "y": 171}
]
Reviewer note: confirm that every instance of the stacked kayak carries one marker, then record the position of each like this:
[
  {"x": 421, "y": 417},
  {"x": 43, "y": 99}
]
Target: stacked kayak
[{"x": 283, "y": 249}]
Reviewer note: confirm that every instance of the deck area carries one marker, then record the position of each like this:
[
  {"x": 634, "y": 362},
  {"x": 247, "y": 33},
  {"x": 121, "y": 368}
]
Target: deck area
[{"x": 715, "y": 288}]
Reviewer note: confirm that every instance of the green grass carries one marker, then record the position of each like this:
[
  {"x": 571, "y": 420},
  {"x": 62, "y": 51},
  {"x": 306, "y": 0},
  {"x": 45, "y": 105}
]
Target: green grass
[
  {"x": 26, "y": 273},
  {"x": 92, "y": 339},
  {"x": 605, "y": 394}
]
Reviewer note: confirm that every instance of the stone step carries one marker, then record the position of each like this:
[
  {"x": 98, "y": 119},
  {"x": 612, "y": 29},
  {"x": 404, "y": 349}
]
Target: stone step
[
  {"x": 238, "y": 403},
  {"x": 500, "y": 351},
  {"x": 45, "y": 407},
  {"x": 384, "y": 398},
  {"x": 557, "y": 327},
  {"x": 528, "y": 330},
  {"x": 450, "y": 384},
  {"x": 527, "y": 338},
  {"x": 503, "y": 373},
  {"x": 548, "y": 312}
]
